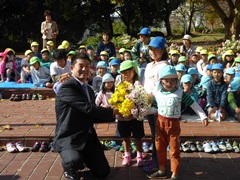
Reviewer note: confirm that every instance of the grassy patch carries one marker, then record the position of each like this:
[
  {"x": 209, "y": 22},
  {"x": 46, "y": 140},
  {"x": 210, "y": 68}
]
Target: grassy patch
[{"x": 210, "y": 37}]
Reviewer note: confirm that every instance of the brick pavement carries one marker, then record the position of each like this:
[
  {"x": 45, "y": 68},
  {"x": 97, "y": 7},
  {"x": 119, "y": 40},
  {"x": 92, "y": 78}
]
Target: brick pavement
[{"x": 35, "y": 120}]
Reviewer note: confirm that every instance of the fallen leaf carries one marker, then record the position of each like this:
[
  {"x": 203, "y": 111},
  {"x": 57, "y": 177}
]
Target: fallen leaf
[
  {"x": 6, "y": 116},
  {"x": 6, "y": 127},
  {"x": 36, "y": 125}
]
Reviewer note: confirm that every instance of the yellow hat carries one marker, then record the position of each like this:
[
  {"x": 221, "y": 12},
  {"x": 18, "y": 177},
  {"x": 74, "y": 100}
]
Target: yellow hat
[
  {"x": 174, "y": 52},
  {"x": 50, "y": 43},
  {"x": 121, "y": 50},
  {"x": 82, "y": 47},
  {"x": 204, "y": 51},
  {"x": 61, "y": 47},
  {"x": 199, "y": 48},
  {"x": 44, "y": 50},
  {"x": 27, "y": 52},
  {"x": 10, "y": 49},
  {"x": 65, "y": 44},
  {"x": 34, "y": 43},
  {"x": 229, "y": 53},
  {"x": 104, "y": 53}
]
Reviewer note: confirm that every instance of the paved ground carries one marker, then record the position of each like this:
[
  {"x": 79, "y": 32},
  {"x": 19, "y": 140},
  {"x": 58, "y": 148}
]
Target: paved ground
[{"x": 35, "y": 120}]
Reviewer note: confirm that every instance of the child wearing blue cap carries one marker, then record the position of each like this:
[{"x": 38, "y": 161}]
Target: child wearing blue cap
[
  {"x": 217, "y": 94},
  {"x": 187, "y": 85},
  {"x": 202, "y": 86},
  {"x": 168, "y": 103},
  {"x": 157, "y": 52},
  {"x": 234, "y": 98},
  {"x": 140, "y": 52},
  {"x": 107, "y": 89},
  {"x": 181, "y": 70},
  {"x": 114, "y": 67},
  {"x": 97, "y": 80}
]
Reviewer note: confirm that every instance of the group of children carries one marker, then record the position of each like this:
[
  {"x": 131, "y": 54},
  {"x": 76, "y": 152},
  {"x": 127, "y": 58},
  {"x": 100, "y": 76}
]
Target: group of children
[{"x": 190, "y": 81}]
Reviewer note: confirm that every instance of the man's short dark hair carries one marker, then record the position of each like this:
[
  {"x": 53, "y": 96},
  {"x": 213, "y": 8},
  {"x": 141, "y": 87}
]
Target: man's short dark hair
[
  {"x": 47, "y": 13},
  {"x": 59, "y": 54},
  {"x": 83, "y": 56}
]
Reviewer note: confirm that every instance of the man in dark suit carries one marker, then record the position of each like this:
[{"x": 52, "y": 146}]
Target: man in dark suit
[{"x": 76, "y": 139}]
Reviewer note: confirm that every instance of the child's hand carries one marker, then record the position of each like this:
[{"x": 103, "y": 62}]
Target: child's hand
[
  {"x": 237, "y": 110},
  {"x": 205, "y": 122}
]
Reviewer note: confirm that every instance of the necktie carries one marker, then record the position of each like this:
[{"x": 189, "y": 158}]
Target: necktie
[{"x": 86, "y": 91}]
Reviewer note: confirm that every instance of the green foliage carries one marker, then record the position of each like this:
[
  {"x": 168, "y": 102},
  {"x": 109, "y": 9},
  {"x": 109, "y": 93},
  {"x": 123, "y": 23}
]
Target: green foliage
[
  {"x": 119, "y": 27},
  {"x": 92, "y": 40},
  {"x": 124, "y": 41}
]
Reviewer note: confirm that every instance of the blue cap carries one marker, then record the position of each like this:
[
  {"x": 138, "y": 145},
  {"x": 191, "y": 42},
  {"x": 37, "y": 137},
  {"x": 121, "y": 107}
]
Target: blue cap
[
  {"x": 158, "y": 42},
  {"x": 192, "y": 71},
  {"x": 102, "y": 64},
  {"x": 186, "y": 78},
  {"x": 145, "y": 31},
  {"x": 217, "y": 66},
  {"x": 235, "y": 84},
  {"x": 180, "y": 67},
  {"x": 107, "y": 78},
  {"x": 90, "y": 47},
  {"x": 209, "y": 67},
  {"x": 168, "y": 72},
  {"x": 230, "y": 70},
  {"x": 114, "y": 62}
]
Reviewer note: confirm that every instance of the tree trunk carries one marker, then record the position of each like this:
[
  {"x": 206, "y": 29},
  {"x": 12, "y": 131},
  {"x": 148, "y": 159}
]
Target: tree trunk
[
  {"x": 228, "y": 25},
  {"x": 168, "y": 26}
]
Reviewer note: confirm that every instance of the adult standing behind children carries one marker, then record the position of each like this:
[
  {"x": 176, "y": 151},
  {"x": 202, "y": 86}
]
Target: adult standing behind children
[
  {"x": 106, "y": 45},
  {"x": 157, "y": 51},
  {"x": 76, "y": 139},
  {"x": 49, "y": 29},
  {"x": 187, "y": 48}
]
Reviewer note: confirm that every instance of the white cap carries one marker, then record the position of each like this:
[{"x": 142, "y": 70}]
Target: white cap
[{"x": 188, "y": 37}]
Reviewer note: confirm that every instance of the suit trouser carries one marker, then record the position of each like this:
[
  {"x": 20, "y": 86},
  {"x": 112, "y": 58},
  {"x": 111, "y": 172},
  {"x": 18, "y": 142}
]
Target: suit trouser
[
  {"x": 92, "y": 155},
  {"x": 168, "y": 133},
  {"x": 152, "y": 123}
]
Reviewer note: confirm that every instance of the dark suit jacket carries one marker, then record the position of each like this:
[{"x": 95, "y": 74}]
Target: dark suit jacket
[{"x": 75, "y": 116}]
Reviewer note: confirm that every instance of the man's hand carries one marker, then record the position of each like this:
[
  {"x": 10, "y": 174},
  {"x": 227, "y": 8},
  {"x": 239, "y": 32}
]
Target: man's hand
[
  {"x": 64, "y": 77},
  {"x": 205, "y": 122},
  {"x": 237, "y": 110}
]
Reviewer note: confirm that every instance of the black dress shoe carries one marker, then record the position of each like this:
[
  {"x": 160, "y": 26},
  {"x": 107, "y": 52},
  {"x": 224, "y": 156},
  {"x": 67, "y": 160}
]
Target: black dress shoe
[{"x": 72, "y": 175}]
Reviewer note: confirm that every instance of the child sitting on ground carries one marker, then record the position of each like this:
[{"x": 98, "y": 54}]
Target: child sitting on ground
[
  {"x": 40, "y": 74},
  {"x": 168, "y": 103},
  {"x": 187, "y": 85},
  {"x": 25, "y": 63},
  {"x": 8, "y": 68},
  {"x": 217, "y": 94}
]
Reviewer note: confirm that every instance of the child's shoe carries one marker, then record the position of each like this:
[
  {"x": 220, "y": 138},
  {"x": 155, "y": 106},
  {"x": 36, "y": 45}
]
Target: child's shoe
[
  {"x": 222, "y": 146},
  {"x": 145, "y": 147},
  {"x": 133, "y": 147},
  {"x": 140, "y": 161},
  {"x": 44, "y": 147},
  {"x": 207, "y": 147},
  {"x": 11, "y": 147},
  {"x": 121, "y": 149},
  {"x": 20, "y": 147},
  {"x": 199, "y": 146},
  {"x": 228, "y": 145},
  {"x": 214, "y": 146},
  {"x": 126, "y": 160},
  {"x": 36, "y": 147},
  {"x": 235, "y": 147}
]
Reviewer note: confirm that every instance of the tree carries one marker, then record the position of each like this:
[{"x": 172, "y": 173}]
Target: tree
[{"x": 229, "y": 13}]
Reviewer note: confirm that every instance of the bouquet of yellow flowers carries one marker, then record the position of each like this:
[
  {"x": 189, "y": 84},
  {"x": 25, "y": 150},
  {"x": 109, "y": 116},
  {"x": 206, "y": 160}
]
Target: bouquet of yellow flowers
[{"x": 130, "y": 100}]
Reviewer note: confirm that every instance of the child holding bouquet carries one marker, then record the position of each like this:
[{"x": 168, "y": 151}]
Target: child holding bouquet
[
  {"x": 107, "y": 89},
  {"x": 129, "y": 125},
  {"x": 168, "y": 100}
]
